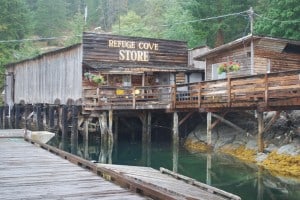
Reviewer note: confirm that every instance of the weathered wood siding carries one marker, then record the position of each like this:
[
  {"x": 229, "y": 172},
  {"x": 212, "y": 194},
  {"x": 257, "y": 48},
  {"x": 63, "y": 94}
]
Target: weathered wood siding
[
  {"x": 279, "y": 61},
  {"x": 239, "y": 54},
  {"x": 269, "y": 56},
  {"x": 54, "y": 77},
  {"x": 115, "y": 51}
]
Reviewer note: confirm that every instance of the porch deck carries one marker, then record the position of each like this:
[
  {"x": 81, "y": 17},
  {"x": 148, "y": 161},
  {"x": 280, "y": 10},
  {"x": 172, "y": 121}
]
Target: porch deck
[{"x": 273, "y": 91}]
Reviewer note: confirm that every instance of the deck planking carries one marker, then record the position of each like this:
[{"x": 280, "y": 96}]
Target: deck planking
[
  {"x": 28, "y": 172},
  {"x": 169, "y": 185}
]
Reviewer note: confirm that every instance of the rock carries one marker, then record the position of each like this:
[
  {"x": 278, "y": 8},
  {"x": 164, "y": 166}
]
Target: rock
[
  {"x": 251, "y": 144},
  {"x": 271, "y": 147},
  {"x": 289, "y": 149},
  {"x": 261, "y": 157}
]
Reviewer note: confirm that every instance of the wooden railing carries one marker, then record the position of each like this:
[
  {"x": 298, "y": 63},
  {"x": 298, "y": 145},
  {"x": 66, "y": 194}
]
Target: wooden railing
[
  {"x": 266, "y": 91},
  {"x": 139, "y": 97},
  {"x": 272, "y": 91}
]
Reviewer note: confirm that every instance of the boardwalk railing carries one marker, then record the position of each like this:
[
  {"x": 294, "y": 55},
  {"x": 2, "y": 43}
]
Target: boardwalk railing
[{"x": 265, "y": 91}]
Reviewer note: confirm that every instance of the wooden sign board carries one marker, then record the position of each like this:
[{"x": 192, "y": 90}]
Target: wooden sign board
[{"x": 129, "y": 51}]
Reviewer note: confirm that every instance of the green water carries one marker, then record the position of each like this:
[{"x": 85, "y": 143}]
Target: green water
[{"x": 218, "y": 170}]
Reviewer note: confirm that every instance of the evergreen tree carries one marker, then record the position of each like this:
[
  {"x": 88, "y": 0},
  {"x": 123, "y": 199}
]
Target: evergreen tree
[
  {"x": 51, "y": 18},
  {"x": 221, "y": 30},
  {"x": 279, "y": 19}
]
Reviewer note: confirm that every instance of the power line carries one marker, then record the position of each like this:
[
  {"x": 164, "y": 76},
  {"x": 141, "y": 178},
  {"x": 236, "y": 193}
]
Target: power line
[
  {"x": 209, "y": 18},
  {"x": 39, "y": 39},
  {"x": 276, "y": 20}
]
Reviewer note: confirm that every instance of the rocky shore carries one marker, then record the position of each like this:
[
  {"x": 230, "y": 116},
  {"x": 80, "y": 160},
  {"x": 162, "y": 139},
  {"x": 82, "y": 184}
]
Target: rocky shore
[{"x": 281, "y": 154}]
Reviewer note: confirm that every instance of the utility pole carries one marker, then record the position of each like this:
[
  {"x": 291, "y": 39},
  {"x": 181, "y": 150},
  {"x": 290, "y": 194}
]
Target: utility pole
[{"x": 251, "y": 14}]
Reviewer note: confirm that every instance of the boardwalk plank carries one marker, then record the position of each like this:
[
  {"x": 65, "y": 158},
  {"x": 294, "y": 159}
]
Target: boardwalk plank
[{"x": 27, "y": 172}]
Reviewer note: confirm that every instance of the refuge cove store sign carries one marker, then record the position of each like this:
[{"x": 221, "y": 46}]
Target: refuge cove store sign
[{"x": 133, "y": 50}]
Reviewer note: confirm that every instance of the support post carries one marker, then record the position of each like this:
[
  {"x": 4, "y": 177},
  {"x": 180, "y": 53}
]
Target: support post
[
  {"x": 110, "y": 120},
  {"x": 39, "y": 122},
  {"x": 1, "y": 117},
  {"x": 11, "y": 116},
  {"x": 208, "y": 169},
  {"x": 175, "y": 128},
  {"x": 74, "y": 131},
  {"x": 17, "y": 115},
  {"x": 45, "y": 116},
  {"x": 26, "y": 117},
  {"x": 86, "y": 139},
  {"x": 64, "y": 124},
  {"x": 51, "y": 117},
  {"x": 149, "y": 117},
  {"x": 5, "y": 112},
  {"x": 209, "y": 129},
  {"x": 260, "y": 142},
  {"x": 175, "y": 141},
  {"x": 116, "y": 131}
]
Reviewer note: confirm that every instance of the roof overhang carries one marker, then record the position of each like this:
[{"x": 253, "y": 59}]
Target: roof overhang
[{"x": 245, "y": 41}]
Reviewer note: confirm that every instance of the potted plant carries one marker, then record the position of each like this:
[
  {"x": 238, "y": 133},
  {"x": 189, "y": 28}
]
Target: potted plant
[
  {"x": 99, "y": 79},
  {"x": 228, "y": 67}
]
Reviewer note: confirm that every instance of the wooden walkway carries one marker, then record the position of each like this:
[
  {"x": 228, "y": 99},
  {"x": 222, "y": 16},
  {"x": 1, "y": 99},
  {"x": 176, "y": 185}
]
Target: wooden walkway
[
  {"x": 28, "y": 172},
  {"x": 175, "y": 185}
]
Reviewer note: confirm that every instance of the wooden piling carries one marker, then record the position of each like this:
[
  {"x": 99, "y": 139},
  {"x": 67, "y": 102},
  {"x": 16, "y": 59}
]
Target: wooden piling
[
  {"x": 11, "y": 116},
  {"x": 208, "y": 169},
  {"x": 149, "y": 118},
  {"x": 175, "y": 141},
  {"x": 110, "y": 120},
  {"x": 51, "y": 117},
  {"x": 26, "y": 113},
  {"x": 74, "y": 130},
  {"x": 64, "y": 124},
  {"x": 175, "y": 128},
  {"x": 5, "y": 114},
  {"x": 209, "y": 129},
  {"x": 39, "y": 123},
  {"x": 260, "y": 142},
  {"x": 86, "y": 138},
  {"x": 17, "y": 116},
  {"x": 1, "y": 117}
]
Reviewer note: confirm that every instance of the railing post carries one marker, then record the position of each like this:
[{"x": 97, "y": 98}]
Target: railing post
[
  {"x": 173, "y": 94},
  {"x": 266, "y": 81},
  {"x": 133, "y": 98},
  {"x": 199, "y": 94},
  {"x": 229, "y": 91}
]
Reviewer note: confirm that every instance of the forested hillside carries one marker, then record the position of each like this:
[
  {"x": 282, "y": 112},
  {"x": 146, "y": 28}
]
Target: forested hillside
[{"x": 27, "y": 27}]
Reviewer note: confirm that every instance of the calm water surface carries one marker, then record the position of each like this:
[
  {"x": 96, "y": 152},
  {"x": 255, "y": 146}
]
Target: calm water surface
[{"x": 218, "y": 170}]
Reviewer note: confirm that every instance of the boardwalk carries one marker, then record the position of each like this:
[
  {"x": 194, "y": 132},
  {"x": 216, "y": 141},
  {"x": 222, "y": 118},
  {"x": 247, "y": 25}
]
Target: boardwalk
[
  {"x": 28, "y": 172},
  {"x": 179, "y": 188}
]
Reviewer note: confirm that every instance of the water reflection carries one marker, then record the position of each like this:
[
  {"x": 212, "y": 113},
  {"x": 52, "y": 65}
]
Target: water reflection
[{"x": 218, "y": 170}]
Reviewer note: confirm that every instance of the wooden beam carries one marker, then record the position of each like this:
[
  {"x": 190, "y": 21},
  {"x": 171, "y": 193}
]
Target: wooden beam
[
  {"x": 229, "y": 123},
  {"x": 186, "y": 117},
  {"x": 218, "y": 121},
  {"x": 271, "y": 122}
]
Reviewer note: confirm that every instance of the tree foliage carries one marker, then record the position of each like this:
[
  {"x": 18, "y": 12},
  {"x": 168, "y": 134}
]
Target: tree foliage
[
  {"x": 50, "y": 18},
  {"x": 282, "y": 19}
]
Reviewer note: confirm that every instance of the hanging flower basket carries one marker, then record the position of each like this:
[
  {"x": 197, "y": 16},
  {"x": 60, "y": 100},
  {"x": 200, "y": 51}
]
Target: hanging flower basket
[
  {"x": 228, "y": 67},
  {"x": 99, "y": 79}
]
